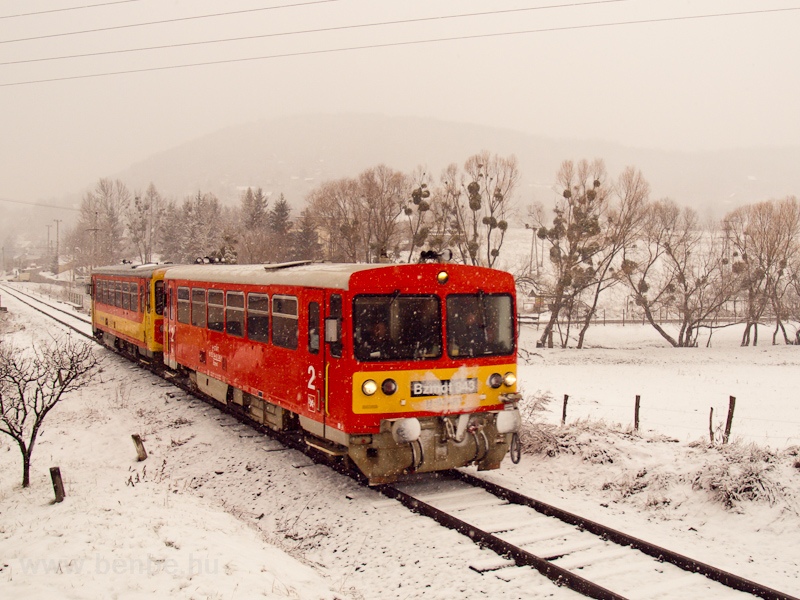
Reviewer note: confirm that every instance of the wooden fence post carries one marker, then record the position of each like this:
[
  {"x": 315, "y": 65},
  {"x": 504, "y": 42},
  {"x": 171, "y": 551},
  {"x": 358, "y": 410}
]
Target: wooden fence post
[
  {"x": 636, "y": 414},
  {"x": 729, "y": 422},
  {"x": 711, "y": 426},
  {"x": 141, "y": 453},
  {"x": 564, "y": 410},
  {"x": 58, "y": 483}
]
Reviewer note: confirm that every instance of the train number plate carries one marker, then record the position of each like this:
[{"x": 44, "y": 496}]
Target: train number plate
[{"x": 446, "y": 387}]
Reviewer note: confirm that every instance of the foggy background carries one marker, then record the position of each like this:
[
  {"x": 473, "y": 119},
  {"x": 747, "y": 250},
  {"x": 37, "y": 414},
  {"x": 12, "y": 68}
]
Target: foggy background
[{"x": 702, "y": 96}]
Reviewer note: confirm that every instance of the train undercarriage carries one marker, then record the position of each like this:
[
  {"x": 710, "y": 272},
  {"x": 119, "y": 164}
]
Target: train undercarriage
[{"x": 437, "y": 443}]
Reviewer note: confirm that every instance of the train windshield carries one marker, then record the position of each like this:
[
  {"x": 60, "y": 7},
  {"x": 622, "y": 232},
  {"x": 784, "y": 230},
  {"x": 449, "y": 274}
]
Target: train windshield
[
  {"x": 397, "y": 327},
  {"x": 479, "y": 325}
]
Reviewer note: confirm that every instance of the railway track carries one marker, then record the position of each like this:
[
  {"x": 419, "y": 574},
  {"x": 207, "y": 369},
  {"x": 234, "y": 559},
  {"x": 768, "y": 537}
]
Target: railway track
[
  {"x": 572, "y": 551},
  {"x": 75, "y": 321},
  {"x": 592, "y": 559}
]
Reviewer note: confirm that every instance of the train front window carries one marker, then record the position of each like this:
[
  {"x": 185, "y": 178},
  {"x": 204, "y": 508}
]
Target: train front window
[
  {"x": 397, "y": 327},
  {"x": 479, "y": 325}
]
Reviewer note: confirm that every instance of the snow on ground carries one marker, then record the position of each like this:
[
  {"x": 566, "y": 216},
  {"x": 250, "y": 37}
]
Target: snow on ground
[{"x": 220, "y": 511}]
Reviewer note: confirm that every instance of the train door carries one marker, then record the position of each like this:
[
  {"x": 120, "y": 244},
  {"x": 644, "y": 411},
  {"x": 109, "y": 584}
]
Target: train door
[
  {"x": 316, "y": 372},
  {"x": 170, "y": 312}
]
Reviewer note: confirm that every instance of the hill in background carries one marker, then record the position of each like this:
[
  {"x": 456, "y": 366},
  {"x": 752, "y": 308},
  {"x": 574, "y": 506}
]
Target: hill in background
[{"x": 294, "y": 155}]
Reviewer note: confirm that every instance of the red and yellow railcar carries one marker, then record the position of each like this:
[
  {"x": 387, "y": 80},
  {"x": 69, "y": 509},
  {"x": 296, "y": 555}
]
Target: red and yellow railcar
[
  {"x": 128, "y": 306},
  {"x": 401, "y": 368}
]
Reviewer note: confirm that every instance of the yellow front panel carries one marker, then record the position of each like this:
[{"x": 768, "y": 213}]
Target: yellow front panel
[{"x": 438, "y": 390}]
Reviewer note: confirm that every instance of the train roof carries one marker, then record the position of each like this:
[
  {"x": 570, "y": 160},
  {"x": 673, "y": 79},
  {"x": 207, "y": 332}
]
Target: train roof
[
  {"x": 145, "y": 271},
  {"x": 302, "y": 273},
  {"x": 329, "y": 275},
  {"x": 320, "y": 275}
]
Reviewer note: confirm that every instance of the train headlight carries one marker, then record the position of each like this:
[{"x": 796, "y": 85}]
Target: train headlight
[
  {"x": 369, "y": 387},
  {"x": 442, "y": 277},
  {"x": 389, "y": 386},
  {"x": 495, "y": 380},
  {"x": 509, "y": 379}
]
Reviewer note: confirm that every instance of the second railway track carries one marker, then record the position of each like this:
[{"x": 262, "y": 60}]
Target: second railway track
[{"x": 572, "y": 551}]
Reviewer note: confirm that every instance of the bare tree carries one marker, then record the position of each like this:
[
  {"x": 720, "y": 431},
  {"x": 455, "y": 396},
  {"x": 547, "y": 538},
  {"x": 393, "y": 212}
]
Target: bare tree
[
  {"x": 100, "y": 230},
  {"x": 575, "y": 238},
  {"x": 144, "y": 218},
  {"x": 418, "y": 211},
  {"x": 765, "y": 239},
  {"x": 620, "y": 225},
  {"x": 678, "y": 267},
  {"x": 382, "y": 193},
  {"x": 335, "y": 208},
  {"x": 358, "y": 218},
  {"x": 493, "y": 181},
  {"x": 473, "y": 207},
  {"x": 33, "y": 382}
]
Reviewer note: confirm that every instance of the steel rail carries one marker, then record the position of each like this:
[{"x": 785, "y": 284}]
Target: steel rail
[
  {"x": 17, "y": 296},
  {"x": 78, "y": 316},
  {"x": 521, "y": 557},
  {"x": 663, "y": 554}
]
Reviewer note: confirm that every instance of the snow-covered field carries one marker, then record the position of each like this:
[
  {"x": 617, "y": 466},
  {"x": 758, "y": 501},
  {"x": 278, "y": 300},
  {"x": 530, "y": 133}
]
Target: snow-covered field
[{"x": 219, "y": 511}]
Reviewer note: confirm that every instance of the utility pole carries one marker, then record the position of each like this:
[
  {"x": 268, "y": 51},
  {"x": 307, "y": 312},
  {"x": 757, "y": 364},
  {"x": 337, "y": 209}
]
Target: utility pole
[
  {"x": 55, "y": 272},
  {"x": 48, "y": 240}
]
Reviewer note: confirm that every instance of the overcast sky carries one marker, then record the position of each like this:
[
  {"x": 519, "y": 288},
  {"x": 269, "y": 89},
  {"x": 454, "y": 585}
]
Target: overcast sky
[{"x": 568, "y": 71}]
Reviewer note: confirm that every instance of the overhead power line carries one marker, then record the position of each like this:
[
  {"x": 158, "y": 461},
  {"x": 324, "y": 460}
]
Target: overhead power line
[
  {"x": 406, "y": 43},
  {"x": 165, "y": 21},
  {"x": 55, "y": 10},
  {"x": 309, "y": 31},
  {"x": 40, "y": 205}
]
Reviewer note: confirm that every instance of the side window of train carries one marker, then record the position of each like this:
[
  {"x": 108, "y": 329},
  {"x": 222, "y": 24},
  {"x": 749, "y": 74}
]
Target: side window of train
[
  {"x": 284, "y": 322},
  {"x": 234, "y": 314},
  {"x": 118, "y": 294},
  {"x": 184, "y": 305},
  {"x": 313, "y": 327},
  {"x": 126, "y": 296},
  {"x": 199, "y": 307},
  {"x": 141, "y": 297},
  {"x": 333, "y": 326},
  {"x": 216, "y": 310},
  {"x": 258, "y": 317},
  {"x": 159, "y": 304}
]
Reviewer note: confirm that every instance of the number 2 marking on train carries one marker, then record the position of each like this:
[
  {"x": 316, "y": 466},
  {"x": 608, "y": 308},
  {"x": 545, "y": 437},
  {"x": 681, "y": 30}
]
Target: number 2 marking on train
[{"x": 312, "y": 376}]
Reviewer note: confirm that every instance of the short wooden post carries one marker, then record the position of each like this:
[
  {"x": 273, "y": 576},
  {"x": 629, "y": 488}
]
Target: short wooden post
[
  {"x": 58, "y": 483},
  {"x": 711, "y": 425},
  {"x": 729, "y": 422},
  {"x": 636, "y": 414},
  {"x": 564, "y": 410},
  {"x": 141, "y": 453}
]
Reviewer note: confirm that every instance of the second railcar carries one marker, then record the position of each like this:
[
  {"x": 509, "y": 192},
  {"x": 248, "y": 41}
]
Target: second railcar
[{"x": 128, "y": 308}]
